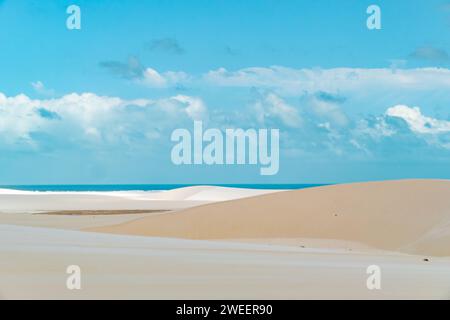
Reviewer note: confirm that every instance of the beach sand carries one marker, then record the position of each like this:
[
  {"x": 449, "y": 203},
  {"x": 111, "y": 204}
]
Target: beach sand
[{"x": 219, "y": 243}]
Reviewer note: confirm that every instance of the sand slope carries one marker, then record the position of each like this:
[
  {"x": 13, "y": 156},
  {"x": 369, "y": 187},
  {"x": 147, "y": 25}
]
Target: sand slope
[
  {"x": 410, "y": 216},
  {"x": 30, "y": 201},
  {"x": 33, "y": 264}
]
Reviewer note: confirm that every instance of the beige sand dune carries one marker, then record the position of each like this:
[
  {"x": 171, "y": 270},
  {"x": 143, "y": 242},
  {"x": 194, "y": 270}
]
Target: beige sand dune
[
  {"x": 305, "y": 244},
  {"x": 411, "y": 216},
  {"x": 33, "y": 263}
]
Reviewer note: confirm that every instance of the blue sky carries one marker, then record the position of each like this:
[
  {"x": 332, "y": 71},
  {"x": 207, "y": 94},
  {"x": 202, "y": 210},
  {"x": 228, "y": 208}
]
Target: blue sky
[{"x": 97, "y": 105}]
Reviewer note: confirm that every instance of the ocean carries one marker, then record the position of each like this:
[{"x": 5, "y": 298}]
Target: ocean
[{"x": 149, "y": 187}]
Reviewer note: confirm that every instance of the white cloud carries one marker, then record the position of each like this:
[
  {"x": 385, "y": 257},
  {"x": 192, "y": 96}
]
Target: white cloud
[
  {"x": 176, "y": 77},
  {"x": 194, "y": 107},
  {"x": 272, "y": 106},
  {"x": 154, "y": 79},
  {"x": 377, "y": 129},
  {"x": 92, "y": 118},
  {"x": 40, "y": 88},
  {"x": 290, "y": 81},
  {"x": 373, "y": 131},
  {"x": 293, "y": 82},
  {"x": 329, "y": 111},
  {"x": 418, "y": 122}
]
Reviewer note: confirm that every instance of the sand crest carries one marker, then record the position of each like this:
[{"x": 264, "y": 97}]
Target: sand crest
[{"x": 410, "y": 216}]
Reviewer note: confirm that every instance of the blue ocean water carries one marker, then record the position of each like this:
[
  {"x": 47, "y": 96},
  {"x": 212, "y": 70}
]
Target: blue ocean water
[{"x": 149, "y": 187}]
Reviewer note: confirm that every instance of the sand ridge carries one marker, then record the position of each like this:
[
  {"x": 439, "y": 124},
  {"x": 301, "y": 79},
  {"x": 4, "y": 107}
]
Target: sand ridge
[{"x": 410, "y": 216}]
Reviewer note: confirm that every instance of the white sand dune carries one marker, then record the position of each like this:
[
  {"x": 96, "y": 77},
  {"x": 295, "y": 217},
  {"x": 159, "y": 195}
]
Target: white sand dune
[
  {"x": 30, "y": 201},
  {"x": 209, "y": 193},
  {"x": 407, "y": 216},
  {"x": 33, "y": 263}
]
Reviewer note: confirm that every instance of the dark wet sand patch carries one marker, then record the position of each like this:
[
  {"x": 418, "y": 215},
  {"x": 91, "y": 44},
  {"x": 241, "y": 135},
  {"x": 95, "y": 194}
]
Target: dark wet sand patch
[{"x": 98, "y": 212}]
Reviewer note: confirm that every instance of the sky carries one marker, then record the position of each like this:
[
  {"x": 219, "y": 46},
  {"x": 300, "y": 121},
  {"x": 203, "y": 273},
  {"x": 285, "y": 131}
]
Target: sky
[{"x": 98, "y": 105}]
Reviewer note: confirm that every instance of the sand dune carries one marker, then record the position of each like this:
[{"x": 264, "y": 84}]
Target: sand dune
[
  {"x": 33, "y": 264},
  {"x": 304, "y": 244},
  {"x": 29, "y": 201},
  {"x": 407, "y": 216},
  {"x": 208, "y": 193}
]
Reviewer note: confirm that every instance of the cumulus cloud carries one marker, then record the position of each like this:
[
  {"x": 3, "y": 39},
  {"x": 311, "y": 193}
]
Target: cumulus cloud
[
  {"x": 399, "y": 131},
  {"x": 418, "y": 122},
  {"x": 90, "y": 121},
  {"x": 154, "y": 79},
  {"x": 194, "y": 107},
  {"x": 87, "y": 118},
  {"x": 317, "y": 110}
]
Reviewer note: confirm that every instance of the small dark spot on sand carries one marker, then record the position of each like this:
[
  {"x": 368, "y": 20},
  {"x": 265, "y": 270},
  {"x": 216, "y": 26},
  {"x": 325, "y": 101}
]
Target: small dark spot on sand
[{"x": 426, "y": 260}]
